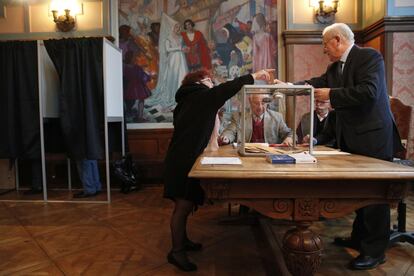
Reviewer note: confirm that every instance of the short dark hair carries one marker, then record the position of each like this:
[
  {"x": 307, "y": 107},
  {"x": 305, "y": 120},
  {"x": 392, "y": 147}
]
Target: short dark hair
[
  {"x": 124, "y": 30},
  {"x": 196, "y": 76},
  {"x": 189, "y": 21},
  {"x": 154, "y": 25}
]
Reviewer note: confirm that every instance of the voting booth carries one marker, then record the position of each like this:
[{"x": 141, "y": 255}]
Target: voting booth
[{"x": 49, "y": 89}]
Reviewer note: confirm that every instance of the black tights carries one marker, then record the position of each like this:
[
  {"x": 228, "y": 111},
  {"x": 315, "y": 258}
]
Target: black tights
[{"x": 179, "y": 223}]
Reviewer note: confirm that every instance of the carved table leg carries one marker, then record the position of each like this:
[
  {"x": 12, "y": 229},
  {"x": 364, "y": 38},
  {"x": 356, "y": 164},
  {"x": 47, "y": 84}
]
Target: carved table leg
[{"x": 302, "y": 250}]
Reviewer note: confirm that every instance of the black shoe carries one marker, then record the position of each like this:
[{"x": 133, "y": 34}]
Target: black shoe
[
  {"x": 180, "y": 260},
  {"x": 363, "y": 262},
  {"x": 192, "y": 246},
  {"x": 346, "y": 242},
  {"x": 33, "y": 191},
  {"x": 83, "y": 195}
]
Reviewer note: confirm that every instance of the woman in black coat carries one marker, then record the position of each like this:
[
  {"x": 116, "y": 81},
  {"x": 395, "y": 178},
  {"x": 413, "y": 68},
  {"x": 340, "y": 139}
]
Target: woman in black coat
[{"x": 194, "y": 117}]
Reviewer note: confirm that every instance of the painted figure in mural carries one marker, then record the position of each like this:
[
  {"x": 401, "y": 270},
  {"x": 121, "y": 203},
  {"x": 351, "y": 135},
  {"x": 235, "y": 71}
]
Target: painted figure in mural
[
  {"x": 135, "y": 88},
  {"x": 154, "y": 34},
  {"x": 264, "y": 48},
  {"x": 245, "y": 28},
  {"x": 126, "y": 41},
  {"x": 172, "y": 65},
  {"x": 233, "y": 37},
  {"x": 197, "y": 51}
]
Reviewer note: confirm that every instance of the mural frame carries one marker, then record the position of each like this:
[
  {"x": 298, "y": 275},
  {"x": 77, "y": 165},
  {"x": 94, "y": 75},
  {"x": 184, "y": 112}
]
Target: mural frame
[{"x": 275, "y": 13}]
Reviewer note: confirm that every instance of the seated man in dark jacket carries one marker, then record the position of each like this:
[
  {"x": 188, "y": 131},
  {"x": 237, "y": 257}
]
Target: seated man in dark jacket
[{"x": 320, "y": 115}]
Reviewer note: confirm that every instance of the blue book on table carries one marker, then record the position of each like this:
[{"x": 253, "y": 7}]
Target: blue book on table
[{"x": 280, "y": 159}]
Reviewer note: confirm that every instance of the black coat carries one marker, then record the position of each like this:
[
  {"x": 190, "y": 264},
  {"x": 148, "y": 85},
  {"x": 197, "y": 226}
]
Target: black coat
[
  {"x": 364, "y": 122},
  {"x": 194, "y": 119}
]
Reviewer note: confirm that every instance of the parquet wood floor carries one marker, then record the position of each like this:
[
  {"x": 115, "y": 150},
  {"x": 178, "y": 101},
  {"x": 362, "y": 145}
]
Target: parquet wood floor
[{"x": 131, "y": 237}]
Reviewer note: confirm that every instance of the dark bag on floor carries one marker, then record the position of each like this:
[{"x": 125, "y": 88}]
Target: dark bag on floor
[{"x": 126, "y": 171}]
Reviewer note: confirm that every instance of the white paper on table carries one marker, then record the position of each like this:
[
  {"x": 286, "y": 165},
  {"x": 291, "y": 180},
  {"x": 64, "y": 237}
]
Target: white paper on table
[
  {"x": 303, "y": 157},
  {"x": 220, "y": 161},
  {"x": 329, "y": 152}
]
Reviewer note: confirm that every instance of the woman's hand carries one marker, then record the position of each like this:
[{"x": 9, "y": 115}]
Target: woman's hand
[
  {"x": 223, "y": 140},
  {"x": 265, "y": 75},
  {"x": 276, "y": 81}
]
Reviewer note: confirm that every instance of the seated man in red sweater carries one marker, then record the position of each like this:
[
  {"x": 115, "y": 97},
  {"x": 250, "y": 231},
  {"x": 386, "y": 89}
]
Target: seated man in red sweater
[{"x": 262, "y": 125}]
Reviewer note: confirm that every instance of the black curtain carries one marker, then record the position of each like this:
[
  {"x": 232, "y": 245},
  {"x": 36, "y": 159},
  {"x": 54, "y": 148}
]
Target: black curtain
[
  {"x": 78, "y": 62},
  {"x": 19, "y": 100}
]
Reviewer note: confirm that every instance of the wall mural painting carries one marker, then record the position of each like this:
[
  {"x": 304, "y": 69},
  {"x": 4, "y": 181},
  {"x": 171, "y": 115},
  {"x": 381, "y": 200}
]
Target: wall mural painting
[{"x": 163, "y": 40}]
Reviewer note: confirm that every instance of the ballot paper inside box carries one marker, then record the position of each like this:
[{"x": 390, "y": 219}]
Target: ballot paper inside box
[{"x": 268, "y": 94}]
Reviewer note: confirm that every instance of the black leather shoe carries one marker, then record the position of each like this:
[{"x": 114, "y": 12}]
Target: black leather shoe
[
  {"x": 180, "y": 260},
  {"x": 83, "y": 195},
  {"x": 192, "y": 246},
  {"x": 346, "y": 242},
  {"x": 33, "y": 191},
  {"x": 363, "y": 262}
]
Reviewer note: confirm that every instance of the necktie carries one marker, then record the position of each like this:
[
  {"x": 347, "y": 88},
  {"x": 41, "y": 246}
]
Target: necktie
[
  {"x": 339, "y": 71},
  {"x": 340, "y": 64}
]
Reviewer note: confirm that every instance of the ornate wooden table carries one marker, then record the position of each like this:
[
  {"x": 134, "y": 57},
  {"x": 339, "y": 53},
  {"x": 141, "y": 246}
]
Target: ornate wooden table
[{"x": 333, "y": 187}]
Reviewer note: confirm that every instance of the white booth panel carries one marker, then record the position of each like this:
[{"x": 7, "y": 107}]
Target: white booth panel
[
  {"x": 48, "y": 83},
  {"x": 113, "y": 80}
]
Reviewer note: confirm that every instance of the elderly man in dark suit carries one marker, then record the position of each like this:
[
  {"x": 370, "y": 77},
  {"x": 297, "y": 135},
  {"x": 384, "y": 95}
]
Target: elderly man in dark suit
[{"x": 355, "y": 85}]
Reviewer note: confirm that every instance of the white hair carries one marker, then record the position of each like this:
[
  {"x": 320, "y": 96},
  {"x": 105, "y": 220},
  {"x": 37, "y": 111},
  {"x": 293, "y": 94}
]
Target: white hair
[{"x": 340, "y": 29}]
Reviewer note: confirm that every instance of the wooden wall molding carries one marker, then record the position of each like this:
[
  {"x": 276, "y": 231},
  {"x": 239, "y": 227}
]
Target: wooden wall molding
[
  {"x": 388, "y": 24},
  {"x": 311, "y": 37},
  {"x": 302, "y": 37},
  {"x": 385, "y": 25}
]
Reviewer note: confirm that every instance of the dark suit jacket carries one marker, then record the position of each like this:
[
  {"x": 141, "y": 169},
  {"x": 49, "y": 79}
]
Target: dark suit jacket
[
  {"x": 303, "y": 128},
  {"x": 328, "y": 135},
  {"x": 364, "y": 122}
]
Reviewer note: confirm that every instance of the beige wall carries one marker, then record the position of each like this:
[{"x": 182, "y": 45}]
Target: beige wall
[
  {"x": 32, "y": 20},
  {"x": 13, "y": 21},
  {"x": 301, "y": 15},
  {"x": 304, "y": 14},
  {"x": 373, "y": 10}
]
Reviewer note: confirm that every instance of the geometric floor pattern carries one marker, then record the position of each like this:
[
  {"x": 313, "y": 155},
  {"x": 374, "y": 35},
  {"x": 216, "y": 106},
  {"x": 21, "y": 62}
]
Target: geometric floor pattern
[{"x": 131, "y": 236}]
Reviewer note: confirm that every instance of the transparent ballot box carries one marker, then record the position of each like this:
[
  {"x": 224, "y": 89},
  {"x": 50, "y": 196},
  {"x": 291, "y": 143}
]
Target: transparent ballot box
[{"x": 269, "y": 94}]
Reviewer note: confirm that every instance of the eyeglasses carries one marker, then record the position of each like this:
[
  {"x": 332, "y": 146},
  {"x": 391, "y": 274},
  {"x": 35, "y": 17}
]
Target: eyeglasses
[{"x": 326, "y": 42}]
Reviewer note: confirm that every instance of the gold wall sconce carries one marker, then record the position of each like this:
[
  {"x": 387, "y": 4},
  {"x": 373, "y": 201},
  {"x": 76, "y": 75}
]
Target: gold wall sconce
[
  {"x": 325, "y": 11},
  {"x": 64, "y": 14}
]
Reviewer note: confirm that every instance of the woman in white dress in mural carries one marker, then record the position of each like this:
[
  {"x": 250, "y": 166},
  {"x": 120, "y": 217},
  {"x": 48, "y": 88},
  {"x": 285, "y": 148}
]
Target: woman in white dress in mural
[
  {"x": 264, "y": 47},
  {"x": 172, "y": 65}
]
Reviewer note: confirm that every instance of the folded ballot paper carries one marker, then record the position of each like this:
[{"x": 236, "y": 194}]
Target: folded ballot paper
[{"x": 293, "y": 158}]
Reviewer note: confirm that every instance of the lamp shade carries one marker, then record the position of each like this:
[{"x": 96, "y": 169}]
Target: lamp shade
[
  {"x": 61, "y": 5},
  {"x": 315, "y": 3}
]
